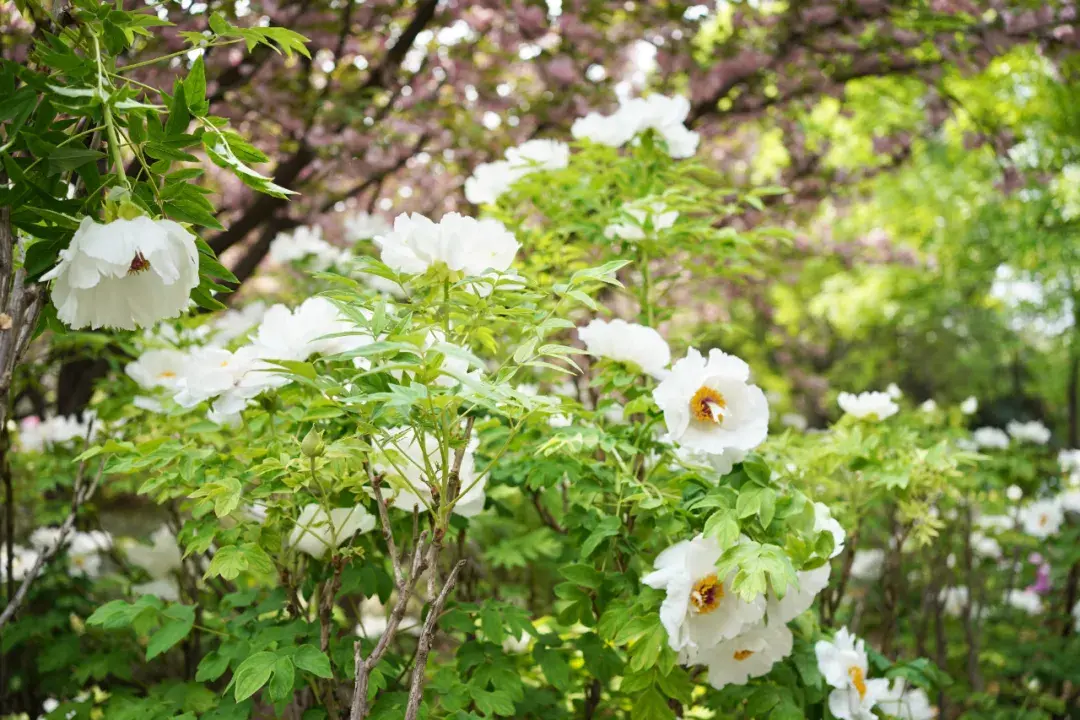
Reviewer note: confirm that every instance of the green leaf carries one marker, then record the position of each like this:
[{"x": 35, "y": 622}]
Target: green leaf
[
  {"x": 555, "y": 667},
  {"x": 768, "y": 507},
  {"x": 608, "y": 527},
  {"x": 585, "y": 575},
  {"x": 253, "y": 674},
  {"x": 281, "y": 685},
  {"x": 179, "y": 117},
  {"x": 310, "y": 658},
  {"x": 493, "y": 702},
  {"x": 63, "y": 159},
  {"x": 195, "y": 88},
  {"x": 723, "y": 526},
  {"x": 651, "y": 705},
  {"x": 231, "y": 560},
  {"x": 211, "y": 667},
  {"x": 178, "y": 622},
  {"x": 749, "y": 502},
  {"x": 646, "y": 651}
]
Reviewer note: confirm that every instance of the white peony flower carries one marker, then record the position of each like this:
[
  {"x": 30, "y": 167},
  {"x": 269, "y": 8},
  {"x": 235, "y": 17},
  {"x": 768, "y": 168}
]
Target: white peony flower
[
  {"x": 517, "y": 645},
  {"x": 970, "y": 406},
  {"x": 489, "y": 181},
  {"x": 907, "y": 703},
  {"x": 305, "y": 241},
  {"x": 1031, "y": 432},
  {"x": 868, "y": 405},
  {"x": 844, "y": 665},
  {"x": 798, "y": 599},
  {"x": 23, "y": 559},
  {"x": 462, "y": 244},
  {"x": 868, "y": 565},
  {"x": 665, "y": 115},
  {"x": 316, "y": 532},
  {"x": 710, "y": 405},
  {"x": 751, "y": 654},
  {"x": 647, "y": 218},
  {"x": 45, "y": 538},
  {"x": 953, "y": 600},
  {"x": 699, "y": 609},
  {"x": 894, "y": 391},
  {"x": 823, "y": 520},
  {"x": 538, "y": 155},
  {"x": 1014, "y": 493},
  {"x": 1042, "y": 518},
  {"x": 298, "y": 334},
  {"x": 124, "y": 274},
  {"x": 627, "y": 342},
  {"x": 795, "y": 421},
  {"x": 36, "y": 435},
  {"x": 1025, "y": 600},
  {"x": 1069, "y": 500},
  {"x": 1069, "y": 460},
  {"x": 234, "y": 323},
  {"x": 928, "y": 406},
  {"x": 373, "y": 621},
  {"x": 990, "y": 437},
  {"x": 158, "y": 368},
  {"x": 168, "y": 589},
  {"x": 160, "y": 558},
  {"x": 985, "y": 546},
  {"x": 720, "y": 463},
  {"x": 408, "y": 462},
  {"x": 365, "y": 226}
]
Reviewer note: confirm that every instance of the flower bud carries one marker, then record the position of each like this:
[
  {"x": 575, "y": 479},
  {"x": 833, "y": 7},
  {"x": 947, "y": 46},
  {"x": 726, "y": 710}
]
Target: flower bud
[{"x": 312, "y": 446}]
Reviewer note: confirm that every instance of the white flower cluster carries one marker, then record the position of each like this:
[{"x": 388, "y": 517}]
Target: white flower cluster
[
  {"x": 306, "y": 241},
  {"x": 708, "y": 623},
  {"x": 36, "y": 434},
  {"x": 845, "y": 666},
  {"x": 873, "y": 406},
  {"x": 124, "y": 274},
  {"x": 461, "y": 244},
  {"x": 231, "y": 379},
  {"x": 643, "y": 219},
  {"x": 490, "y": 180},
  {"x": 660, "y": 113}
]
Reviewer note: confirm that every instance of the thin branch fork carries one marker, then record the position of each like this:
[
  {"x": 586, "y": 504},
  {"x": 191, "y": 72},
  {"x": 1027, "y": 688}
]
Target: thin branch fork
[
  {"x": 427, "y": 636},
  {"x": 80, "y": 496}
]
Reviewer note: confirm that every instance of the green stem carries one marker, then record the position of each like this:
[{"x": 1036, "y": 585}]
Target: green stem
[
  {"x": 646, "y": 292},
  {"x": 110, "y": 125}
]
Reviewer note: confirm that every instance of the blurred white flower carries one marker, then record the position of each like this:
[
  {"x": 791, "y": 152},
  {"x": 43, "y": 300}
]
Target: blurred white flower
[
  {"x": 647, "y": 218},
  {"x": 985, "y": 546},
  {"x": 894, "y": 391},
  {"x": 233, "y": 323},
  {"x": 794, "y": 421},
  {"x": 1032, "y": 432},
  {"x": 365, "y": 226},
  {"x": 373, "y": 621},
  {"x": 306, "y": 241},
  {"x": 928, "y": 406},
  {"x": 1069, "y": 500},
  {"x": 158, "y": 368},
  {"x": 160, "y": 558},
  {"x": 627, "y": 342},
  {"x": 699, "y": 609},
  {"x": 994, "y": 522},
  {"x": 721, "y": 463},
  {"x": 750, "y": 654},
  {"x": 710, "y": 405},
  {"x": 798, "y": 599},
  {"x": 868, "y": 564},
  {"x": 1014, "y": 493},
  {"x": 953, "y": 600},
  {"x": 907, "y": 703},
  {"x": 462, "y": 244},
  {"x": 405, "y": 460},
  {"x": 168, "y": 589},
  {"x": 1025, "y": 600},
  {"x": 660, "y": 113},
  {"x": 36, "y": 435},
  {"x": 517, "y": 645},
  {"x": 990, "y": 437},
  {"x": 489, "y": 181},
  {"x": 824, "y": 521},
  {"x": 1069, "y": 461},
  {"x": 970, "y": 406},
  {"x": 124, "y": 274},
  {"x": 22, "y": 560},
  {"x": 844, "y": 665},
  {"x": 867, "y": 405},
  {"x": 1042, "y": 518},
  {"x": 316, "y": 532}
]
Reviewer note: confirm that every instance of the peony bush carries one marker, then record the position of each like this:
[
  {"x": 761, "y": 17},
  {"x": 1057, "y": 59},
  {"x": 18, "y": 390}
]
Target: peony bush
[{"x": 473, "y": 466}]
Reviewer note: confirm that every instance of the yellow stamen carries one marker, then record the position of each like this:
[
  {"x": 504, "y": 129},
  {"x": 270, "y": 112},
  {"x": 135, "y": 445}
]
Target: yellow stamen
[
  {"x": 708, "y": 405},
  {"x": 167, "y": 374},
  {"x": 858, "y": 679},
  {"x": 741, "y": 655},
  {"x": 706, "y": 594}
]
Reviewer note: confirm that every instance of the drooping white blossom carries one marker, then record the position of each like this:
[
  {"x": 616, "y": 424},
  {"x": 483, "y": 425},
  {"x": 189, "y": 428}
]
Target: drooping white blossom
[
  {"x": 699, "y": 608},
  {"x": 1030, "y": 432},
  {"x": 748, "y": 655},
  {"x": 627, "y": 342},
  {"x": 845, "y": 666},
  {"x": 462, "y": 244},
  {"x": 316, "y": 532},
  {"x": 710, "y": 406},
  {"x": 873, "y": 406},
  {"x": 124, "y": 274}
]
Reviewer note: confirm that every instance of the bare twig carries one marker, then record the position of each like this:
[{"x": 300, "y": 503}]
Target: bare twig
[
  {"x": 427, "y": 636},
  {"x": 405, "y": 586}
]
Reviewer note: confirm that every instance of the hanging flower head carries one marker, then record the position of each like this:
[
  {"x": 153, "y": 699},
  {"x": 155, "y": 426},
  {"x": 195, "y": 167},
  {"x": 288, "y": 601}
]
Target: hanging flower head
[
  {"x": 627, "y": 342},
  {"x": 700, "y": 609},
  {"x": 844, "y": 664},
  {"x": 124, "y": 274},
  {"x": 462, "y": 244},
  {"x": 710, "y": 405}
]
